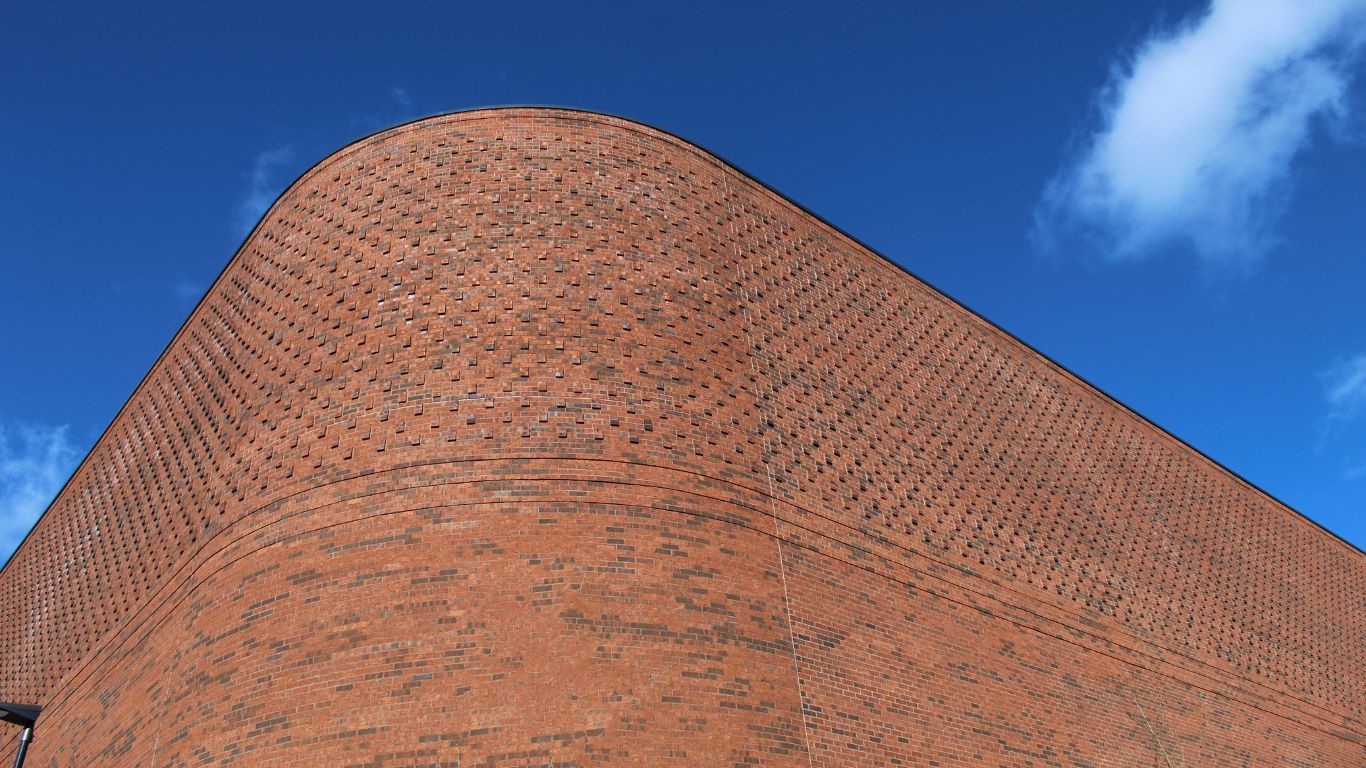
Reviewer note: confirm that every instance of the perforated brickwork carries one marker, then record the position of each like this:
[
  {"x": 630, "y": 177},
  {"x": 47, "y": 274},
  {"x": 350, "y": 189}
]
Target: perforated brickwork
[{"x": 533, "y": 437}]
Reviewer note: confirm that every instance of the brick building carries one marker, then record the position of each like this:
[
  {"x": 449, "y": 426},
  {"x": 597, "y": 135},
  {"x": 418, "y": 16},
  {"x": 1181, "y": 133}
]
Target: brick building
[{"x": 534, "y": 437}]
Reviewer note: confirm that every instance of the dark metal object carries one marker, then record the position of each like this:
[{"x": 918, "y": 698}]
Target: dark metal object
[
  {"x": 24, "y": 740},
  {"x": 24, "y": 715}
]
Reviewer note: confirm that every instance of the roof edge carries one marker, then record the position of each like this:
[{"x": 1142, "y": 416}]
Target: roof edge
[{"x": 733, "y": 166}]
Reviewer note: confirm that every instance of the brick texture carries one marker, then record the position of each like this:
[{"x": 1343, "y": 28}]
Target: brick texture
[{"x": 533, "y": 437}]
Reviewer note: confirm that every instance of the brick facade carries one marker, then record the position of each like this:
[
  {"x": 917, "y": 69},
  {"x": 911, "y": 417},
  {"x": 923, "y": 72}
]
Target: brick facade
[{"x": 533, "y": 437}]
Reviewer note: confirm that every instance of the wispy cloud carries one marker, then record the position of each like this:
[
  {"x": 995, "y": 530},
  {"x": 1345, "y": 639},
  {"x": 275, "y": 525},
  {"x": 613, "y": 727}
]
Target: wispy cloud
[
  {"x": 1344, "y": 394},
  {"x": 1199, "y": 128},
  {"x": 1345, "y": 389},
  {"x": 34, "y": 462},
  {"x": 187, "y": 290},
  {"x": 264, "y": 184},
  {"x": 398, "y": 107}
]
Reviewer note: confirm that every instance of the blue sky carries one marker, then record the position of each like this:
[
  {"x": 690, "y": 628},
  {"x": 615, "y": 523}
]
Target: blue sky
[{"x": 1162, "y": 196}]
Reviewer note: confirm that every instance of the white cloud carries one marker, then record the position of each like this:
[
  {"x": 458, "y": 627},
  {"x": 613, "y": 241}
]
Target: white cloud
[
  {"x": 35, "y": 461},
  {"x": 263, "y": 186},
  {"x": 1200, "y": 128},
  {"x": 1344, "y": 394},
  {"x": 1345, "y": 389}
]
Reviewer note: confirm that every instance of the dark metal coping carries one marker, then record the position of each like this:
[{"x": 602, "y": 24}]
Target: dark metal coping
[{"x": 746, "y": 174}]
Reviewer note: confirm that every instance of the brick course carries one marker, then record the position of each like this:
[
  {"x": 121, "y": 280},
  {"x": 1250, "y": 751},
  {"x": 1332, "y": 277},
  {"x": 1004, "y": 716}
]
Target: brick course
[{"x": 534, "y": 437}]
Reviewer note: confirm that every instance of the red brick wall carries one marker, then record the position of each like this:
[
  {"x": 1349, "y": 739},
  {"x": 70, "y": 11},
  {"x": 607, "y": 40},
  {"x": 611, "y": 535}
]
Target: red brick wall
[{"x": 533, "y": 437}]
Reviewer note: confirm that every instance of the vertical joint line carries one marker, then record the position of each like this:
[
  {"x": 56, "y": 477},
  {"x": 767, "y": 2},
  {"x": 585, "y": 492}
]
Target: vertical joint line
[{"x": 768, "y": 466}]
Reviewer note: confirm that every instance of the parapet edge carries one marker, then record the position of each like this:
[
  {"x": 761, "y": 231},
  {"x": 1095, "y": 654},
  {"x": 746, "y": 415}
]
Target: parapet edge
[{"x": 547, "y": 110}]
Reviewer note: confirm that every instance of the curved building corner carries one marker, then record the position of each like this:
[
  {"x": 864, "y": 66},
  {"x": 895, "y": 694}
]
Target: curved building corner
[{"x": 536, "y": 437}]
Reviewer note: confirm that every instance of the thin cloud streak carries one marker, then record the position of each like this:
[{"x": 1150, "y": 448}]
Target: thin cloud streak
[
  {"x": 1344, "y": 394},
  {"x": 263, "y": 186},
  {"x": 35, "y": 460},
  {"x": 1200, "y": 129},
  {"x": 187, "y": 290},
  {"x": 1345, "y": 389},
  {"x": 398, "y": 108}
]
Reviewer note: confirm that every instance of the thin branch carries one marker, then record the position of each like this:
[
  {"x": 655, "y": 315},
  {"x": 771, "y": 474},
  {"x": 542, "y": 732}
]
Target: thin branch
[{"x": 1166, "y": 756}]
